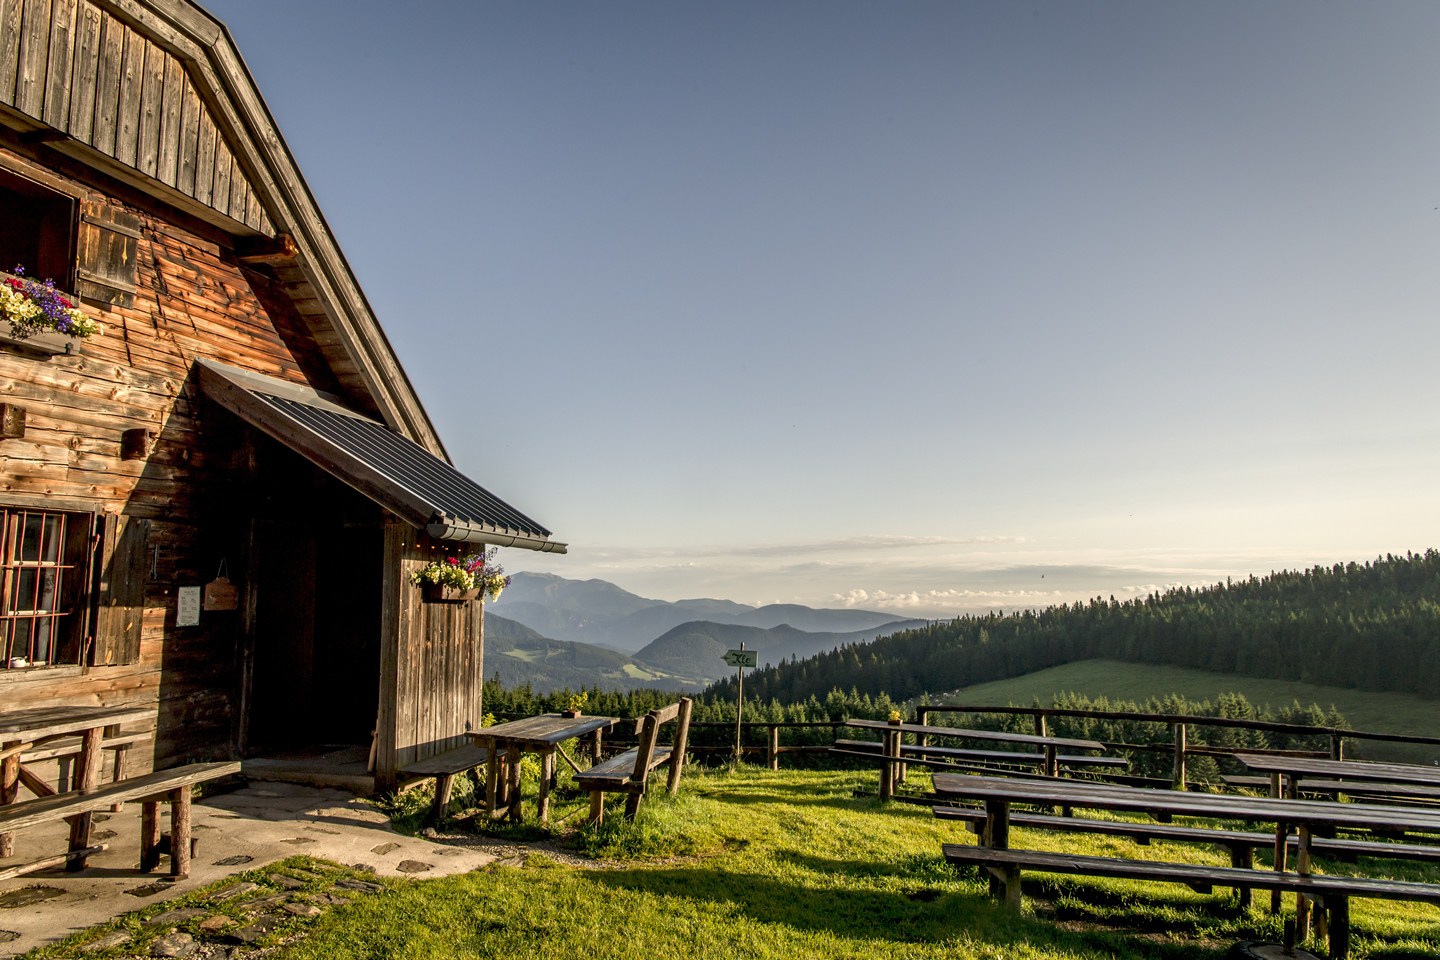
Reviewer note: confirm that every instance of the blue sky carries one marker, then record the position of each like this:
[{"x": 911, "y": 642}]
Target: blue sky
[{"x": 925, "y": 307}]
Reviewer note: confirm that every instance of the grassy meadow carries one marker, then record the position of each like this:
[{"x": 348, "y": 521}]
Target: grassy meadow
[
  {"x": 795, "y": 864},
  {"x": 809, "y": 864},
  {"x": 1364, "y": 710}
]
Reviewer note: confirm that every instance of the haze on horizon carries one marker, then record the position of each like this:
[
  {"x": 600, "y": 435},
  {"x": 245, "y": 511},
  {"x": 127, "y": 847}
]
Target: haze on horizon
[{"x": 931, "y": 308}]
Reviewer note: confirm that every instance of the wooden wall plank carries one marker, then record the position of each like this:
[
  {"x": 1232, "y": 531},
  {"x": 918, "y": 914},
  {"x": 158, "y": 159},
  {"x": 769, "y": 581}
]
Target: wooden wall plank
[
  {"x": 171, "y": 123},
  {"x": 127, "y": 111},
  {"x": 84, "y": 76},
  {"x": 192, "y": 110},
  {"x": 109, "y": 76},
  {"x": 205, "y": 160},
  {"x": 61, "y": 62},
  {"x": 11, "y": 12},
  {"x": 152, "y": 96},
  {"x": 220, "y": 195},
  {"x": 34, "y": 56}
]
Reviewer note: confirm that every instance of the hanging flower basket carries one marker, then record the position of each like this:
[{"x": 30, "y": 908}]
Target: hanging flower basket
[
  {"x": 458, "y": 579},
  {"x": 441, "y": 593}
]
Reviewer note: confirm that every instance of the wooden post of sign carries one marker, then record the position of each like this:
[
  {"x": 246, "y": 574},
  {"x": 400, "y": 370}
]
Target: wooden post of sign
[{"x": 739, "y": 702}]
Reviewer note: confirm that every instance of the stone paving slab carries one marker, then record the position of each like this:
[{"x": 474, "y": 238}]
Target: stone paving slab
[{"x": 238, "y": 831}]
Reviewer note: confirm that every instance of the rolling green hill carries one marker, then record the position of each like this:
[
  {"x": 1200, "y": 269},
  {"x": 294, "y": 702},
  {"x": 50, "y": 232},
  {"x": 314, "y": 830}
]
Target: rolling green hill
[
  {"x": 1373, "y": 712},
  {"x": 1372, "y": 626}
]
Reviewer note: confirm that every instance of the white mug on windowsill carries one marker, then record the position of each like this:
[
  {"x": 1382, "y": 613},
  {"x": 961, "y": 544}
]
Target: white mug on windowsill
[{"x": 18, "y": 662}]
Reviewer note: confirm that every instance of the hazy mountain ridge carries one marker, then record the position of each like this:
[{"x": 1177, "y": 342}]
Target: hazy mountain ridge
[
  {"x": 599, "y": 612},
  {"x": 545, "y": 633}
]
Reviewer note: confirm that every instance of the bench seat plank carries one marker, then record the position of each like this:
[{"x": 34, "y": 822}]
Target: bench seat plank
[
  {"x": 619, "y": 770},
  {"x": 458, "y": 760},
  {"x": 1143, "y": 833},
  {"x": 1318, "y": 886},
  {"x": 29, "y": 813}
]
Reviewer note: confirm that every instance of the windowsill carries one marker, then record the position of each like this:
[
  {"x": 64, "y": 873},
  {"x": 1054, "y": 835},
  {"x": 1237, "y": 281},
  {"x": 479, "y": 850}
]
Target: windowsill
[
  {"x": 51, "y": 671},
  {"x": 46, "y": 343}
]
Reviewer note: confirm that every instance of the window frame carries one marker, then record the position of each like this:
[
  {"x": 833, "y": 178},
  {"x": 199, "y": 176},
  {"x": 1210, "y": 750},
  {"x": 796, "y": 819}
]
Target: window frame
[
  {"x": 54, "y": 221},
  {"x": 63, "y": 602}
]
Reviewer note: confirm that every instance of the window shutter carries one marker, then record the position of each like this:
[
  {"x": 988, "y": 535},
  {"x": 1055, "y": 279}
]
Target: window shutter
[
  {"x": 122, "y": 590},
  {"x": 107, "y": 270}
]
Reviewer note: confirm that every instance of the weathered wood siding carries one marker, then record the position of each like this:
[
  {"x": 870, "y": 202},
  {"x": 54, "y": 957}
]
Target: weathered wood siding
[
  {"x": 431, "y": 656},
  {"x": 192, "y": 299},
  {"x": 73, "y": 66}
]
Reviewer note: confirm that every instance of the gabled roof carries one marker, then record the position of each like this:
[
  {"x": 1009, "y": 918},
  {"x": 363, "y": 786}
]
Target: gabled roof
[
  {"x": 396, "y": 473},
  {"x": 155, "y": 94}
]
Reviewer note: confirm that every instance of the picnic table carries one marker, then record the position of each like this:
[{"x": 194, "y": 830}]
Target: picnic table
[
  {"x": 894, "y": 733},
  {"x": 998, "y": 793},
  {"x": 22, "y": 731},
  {"x": 1390, "y": 779},
  {"x": 541, "y": 734}
]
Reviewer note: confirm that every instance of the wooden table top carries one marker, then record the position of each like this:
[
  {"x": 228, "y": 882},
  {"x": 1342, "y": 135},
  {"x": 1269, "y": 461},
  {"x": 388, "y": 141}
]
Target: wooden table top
[
  {"x": 546, "y": 730},
  {"x": 39, "y": 722},
  {"x": 1104, "y": 796},
  {"x": 1407, "y": 773},
  {"x": 970, "y": 734}
]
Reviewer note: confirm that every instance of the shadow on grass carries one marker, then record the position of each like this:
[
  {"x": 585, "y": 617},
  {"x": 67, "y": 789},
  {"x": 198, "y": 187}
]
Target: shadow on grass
[{"x": 911, "y": 914}]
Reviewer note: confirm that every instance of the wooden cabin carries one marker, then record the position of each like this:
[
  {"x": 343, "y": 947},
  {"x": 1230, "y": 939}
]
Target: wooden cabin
[{"x": 213, "y": 509}]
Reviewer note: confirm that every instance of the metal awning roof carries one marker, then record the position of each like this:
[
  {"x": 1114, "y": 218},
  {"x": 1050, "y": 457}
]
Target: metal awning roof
[{"x": 390, "y": 469}]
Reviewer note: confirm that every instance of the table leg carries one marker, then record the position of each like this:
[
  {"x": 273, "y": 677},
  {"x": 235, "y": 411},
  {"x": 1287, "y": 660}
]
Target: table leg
[
  {"x": 595, "y": 747},
  {"x": 997, "y": 837},
  {"x": 1281, "y": 855},
  {"x": 87, "y": 777},
  {"x": 887, "y": 789},
  {"x": 547, "y": 774},
  {"x": 512, "y": 789},
  {"x": 1302, "y": 902},
  {"x": 492, "y": 777}
]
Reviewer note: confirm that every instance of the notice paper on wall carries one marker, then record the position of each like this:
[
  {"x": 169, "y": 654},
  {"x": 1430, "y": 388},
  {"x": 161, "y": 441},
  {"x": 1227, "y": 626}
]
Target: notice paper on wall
[{"x": 187, "y": 612}]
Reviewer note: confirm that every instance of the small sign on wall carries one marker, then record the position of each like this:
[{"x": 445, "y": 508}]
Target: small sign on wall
[{"x": 187, "y": 610}]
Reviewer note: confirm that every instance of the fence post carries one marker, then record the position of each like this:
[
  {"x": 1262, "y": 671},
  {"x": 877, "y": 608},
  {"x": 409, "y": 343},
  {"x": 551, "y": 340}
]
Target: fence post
[
  {"x": 1337, "y": 747},
  {"x": 1042, "y": 726},
  {"x": 773, "y": 750},
  {"x": 1177, "y": 777}
]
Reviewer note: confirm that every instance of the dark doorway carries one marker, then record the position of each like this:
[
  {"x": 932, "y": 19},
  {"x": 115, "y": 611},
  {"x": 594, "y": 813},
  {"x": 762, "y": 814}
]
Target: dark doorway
[{"x": 316, "y": 640}]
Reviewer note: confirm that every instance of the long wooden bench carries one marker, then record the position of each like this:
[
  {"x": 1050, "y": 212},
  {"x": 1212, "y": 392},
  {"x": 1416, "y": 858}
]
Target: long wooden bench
[
  {"x": 1240, "y": 843},
  {"x": 152, "y": 789},
  {"x": 629, "y": 772},
  {"x": 1331, "y": 892},
  {"x": 444, "y": 768},
  {"x": 910, "y": 751}
]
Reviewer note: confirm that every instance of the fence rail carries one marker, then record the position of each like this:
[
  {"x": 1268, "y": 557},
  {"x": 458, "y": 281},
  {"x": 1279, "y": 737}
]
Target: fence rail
[{"x": 1179, "y": 746}]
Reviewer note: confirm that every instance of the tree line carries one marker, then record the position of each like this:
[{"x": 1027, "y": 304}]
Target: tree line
[{"x": 1372, "y": 626}]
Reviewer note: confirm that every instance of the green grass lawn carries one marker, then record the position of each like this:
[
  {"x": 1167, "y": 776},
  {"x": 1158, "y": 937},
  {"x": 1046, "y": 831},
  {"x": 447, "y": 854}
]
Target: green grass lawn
[
  {"x": 1363, "y": 710},
  {"x": 793, "y": 864}
]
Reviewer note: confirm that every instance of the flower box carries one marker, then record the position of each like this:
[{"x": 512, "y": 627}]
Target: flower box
[{"x": 440, "y": 593}]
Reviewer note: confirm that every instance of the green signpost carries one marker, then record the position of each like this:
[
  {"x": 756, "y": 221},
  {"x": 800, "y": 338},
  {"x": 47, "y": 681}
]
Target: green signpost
[{"x": 740, "y": 659}]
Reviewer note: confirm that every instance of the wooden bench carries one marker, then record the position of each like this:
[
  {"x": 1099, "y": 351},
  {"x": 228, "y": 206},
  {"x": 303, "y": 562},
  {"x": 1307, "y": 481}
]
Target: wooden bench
[
  {"x": 629, "y": 772},
  {"x": 152, "y": 789},
  {"x": 1240, "y": 843},
  {"x": 1331, "y": 892},
  {"x": 909, "y": 751},
  {"x": 445, "y": 767}
]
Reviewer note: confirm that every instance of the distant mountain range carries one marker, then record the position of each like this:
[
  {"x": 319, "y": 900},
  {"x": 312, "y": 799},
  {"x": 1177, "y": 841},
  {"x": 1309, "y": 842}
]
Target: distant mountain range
[
  {"x": 552, "y": 633},
  {"x": 594, "y": 611}
]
